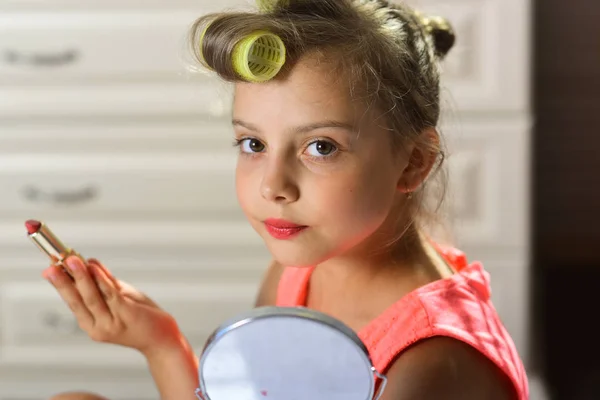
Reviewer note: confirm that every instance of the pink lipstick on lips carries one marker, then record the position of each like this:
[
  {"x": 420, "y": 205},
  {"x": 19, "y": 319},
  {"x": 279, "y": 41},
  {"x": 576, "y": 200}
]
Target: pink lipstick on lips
[{"x": 282, "y": 229}]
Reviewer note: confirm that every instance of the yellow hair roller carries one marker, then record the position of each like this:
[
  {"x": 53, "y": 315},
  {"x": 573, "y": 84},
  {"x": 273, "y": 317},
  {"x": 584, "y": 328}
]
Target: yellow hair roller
[
  {"x": 259, "y": 56},
  {"x": 200, "y": 45}
]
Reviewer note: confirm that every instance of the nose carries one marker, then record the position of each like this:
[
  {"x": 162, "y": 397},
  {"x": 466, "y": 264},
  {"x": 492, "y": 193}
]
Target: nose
[{"x": 278, "y": 184}]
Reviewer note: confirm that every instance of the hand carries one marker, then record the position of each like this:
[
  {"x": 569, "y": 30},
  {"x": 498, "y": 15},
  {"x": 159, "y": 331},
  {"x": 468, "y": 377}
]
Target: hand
[{"x": 111, "y": 311}]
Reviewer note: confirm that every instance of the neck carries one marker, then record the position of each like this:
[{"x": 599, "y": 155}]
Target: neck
[
  {"x": 357, "y": 287},
  {"x": 377, "y": 258}
]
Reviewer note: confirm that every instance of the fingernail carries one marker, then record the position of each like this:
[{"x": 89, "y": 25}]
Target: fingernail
[
  {"x": 52, "y": 277},
  {"x": 74, "y": 264}
]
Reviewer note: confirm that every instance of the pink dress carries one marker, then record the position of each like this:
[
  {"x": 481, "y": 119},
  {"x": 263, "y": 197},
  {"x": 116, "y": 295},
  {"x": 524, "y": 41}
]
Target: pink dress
[{"x": 458, "y": 307}]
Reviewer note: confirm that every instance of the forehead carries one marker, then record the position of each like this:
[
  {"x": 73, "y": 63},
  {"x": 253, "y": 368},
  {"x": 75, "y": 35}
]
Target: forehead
[{"x": 311, "y": 89}]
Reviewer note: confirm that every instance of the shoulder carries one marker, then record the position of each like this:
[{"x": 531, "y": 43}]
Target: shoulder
[
  {"x": 267, "y": 294},
  {"x": 445, "y": 368}
]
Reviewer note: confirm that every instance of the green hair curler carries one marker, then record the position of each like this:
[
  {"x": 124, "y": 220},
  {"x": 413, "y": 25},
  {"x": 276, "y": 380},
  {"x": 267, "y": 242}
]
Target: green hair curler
[{"x": 259, "y": 56}]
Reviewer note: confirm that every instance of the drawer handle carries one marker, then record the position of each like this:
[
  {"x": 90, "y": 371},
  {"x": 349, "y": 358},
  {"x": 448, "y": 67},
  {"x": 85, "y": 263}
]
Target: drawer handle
[
  {"x": 84, "y": 195},
  {"x": 58, "y": 323},
  {"x": 41, "y": 59}
]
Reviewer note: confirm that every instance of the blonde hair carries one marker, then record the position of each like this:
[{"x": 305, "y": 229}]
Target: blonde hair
[{"x": 389, "y": 52}]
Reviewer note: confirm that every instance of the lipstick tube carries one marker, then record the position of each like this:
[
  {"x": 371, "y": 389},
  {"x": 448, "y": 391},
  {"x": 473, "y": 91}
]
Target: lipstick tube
[{"x": 48, "y": 243}]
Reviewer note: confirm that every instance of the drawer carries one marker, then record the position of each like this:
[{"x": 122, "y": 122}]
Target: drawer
[
  {"x": 488, "y": 68},
  {"x": 488, "y": 193},
  {"x": 114, "y": 387},
  {"x": 99, "y": 187},
  {"x": 37, "y": 327},
  {"x": 75, "y": 46},
  {"x": 145, "y": 247},
  {"x": 215, "y": 250},
  {"x": 112, "y": 5},
  {"x": 125, "y": 64},
  {"x": 115, "y": 137},
  {"x": 136, "y": 102},
  {"x": 57, "y": 382},
  {"x": 195, "y": 237}
]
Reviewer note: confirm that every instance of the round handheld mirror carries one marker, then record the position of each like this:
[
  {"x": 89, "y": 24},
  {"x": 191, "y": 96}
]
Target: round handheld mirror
[{"x": 286, "y": 353}]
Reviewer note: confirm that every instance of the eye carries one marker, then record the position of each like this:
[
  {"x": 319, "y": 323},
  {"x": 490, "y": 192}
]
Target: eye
[
  {"x": 250, "y": 145},
  {"x": 320, "y": 148}
]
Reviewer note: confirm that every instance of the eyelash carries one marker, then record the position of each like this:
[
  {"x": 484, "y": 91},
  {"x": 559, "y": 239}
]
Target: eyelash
[
  {"x": 238, "y": 143},
  {"x": 326, "y": 157}
]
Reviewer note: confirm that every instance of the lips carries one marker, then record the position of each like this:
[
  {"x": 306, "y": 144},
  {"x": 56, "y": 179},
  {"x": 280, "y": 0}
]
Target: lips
[{"x": 282, "y": 229}]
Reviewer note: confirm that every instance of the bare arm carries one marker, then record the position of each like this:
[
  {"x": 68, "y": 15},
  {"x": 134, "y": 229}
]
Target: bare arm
[
  {"x": 175, "y": 371},
  {"x": 444, "y": 368}
]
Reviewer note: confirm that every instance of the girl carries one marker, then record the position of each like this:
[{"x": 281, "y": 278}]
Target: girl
[{"x": 334, "y": 156}]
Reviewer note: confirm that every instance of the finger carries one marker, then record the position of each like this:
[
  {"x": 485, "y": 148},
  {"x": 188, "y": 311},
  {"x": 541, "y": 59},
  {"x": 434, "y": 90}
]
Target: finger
[
  {"x": 88, "y": 290},
  {"x": 105, "y": 285},
  {"x": 47, "y": 271},
  {"x": 68, "y": 292},
  {"x": 107, "y": 273},
  {"x": 123, "y": 288}
]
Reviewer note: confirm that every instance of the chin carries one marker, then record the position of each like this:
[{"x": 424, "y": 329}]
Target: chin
[
  {"x": 303, "y": 251},
  {"x": 293, "y": 254}
]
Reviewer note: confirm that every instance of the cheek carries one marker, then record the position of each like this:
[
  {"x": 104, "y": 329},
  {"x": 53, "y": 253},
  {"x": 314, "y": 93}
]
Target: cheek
[
  {"x": 357, "y": 203},
  {"x": 244, "y": 186}
]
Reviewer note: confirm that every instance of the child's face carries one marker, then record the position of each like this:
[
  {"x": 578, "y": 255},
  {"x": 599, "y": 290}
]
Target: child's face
[{"x": 303, "y": 160}]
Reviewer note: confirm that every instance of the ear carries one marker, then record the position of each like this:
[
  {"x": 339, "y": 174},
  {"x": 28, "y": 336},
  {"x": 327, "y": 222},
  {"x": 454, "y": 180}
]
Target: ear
[{"x": 421, "y": 159}]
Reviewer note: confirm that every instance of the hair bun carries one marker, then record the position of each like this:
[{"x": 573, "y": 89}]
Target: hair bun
[{"x": 442, "y": 34}]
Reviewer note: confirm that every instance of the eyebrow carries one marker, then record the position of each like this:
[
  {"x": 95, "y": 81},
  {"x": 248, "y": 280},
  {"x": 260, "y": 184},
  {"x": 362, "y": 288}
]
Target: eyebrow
[{"x": 303, "y": 128}]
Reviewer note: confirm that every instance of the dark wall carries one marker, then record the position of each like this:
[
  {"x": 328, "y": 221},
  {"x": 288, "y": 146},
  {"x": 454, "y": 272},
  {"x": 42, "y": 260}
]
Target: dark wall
[{"x": 566, "y": 207}]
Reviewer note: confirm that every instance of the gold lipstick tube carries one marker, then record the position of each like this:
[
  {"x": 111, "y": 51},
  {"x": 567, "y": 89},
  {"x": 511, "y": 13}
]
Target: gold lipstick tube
[{"x": 49, "y": 244}]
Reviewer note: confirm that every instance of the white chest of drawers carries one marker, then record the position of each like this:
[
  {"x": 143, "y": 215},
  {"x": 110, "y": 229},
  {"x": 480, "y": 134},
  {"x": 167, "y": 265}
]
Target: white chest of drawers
[{"x": 108, "y": 137}]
